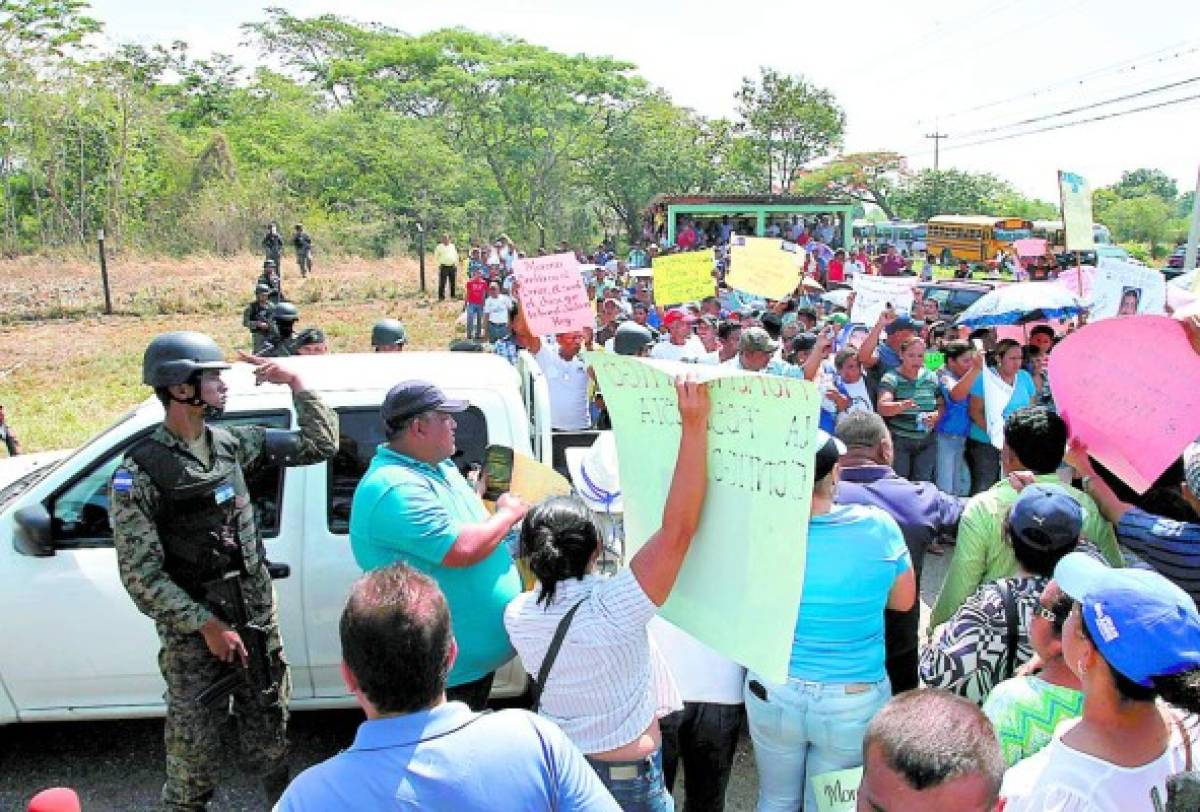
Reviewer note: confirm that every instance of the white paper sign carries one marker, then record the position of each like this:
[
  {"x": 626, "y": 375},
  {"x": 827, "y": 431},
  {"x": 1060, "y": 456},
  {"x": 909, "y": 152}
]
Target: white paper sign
[
  {"x": 1124, "y": 289},
  {"x": 872, "y": 295}
]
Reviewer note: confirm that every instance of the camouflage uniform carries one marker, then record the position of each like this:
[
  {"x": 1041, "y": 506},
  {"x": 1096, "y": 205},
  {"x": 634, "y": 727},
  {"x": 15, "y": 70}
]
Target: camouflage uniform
[
  {"x": 256, "y": 312},
  {"x": 139, "y": 508}
]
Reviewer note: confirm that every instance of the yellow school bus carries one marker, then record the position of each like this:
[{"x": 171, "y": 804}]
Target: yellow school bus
[{"x": 975, "y": 238}]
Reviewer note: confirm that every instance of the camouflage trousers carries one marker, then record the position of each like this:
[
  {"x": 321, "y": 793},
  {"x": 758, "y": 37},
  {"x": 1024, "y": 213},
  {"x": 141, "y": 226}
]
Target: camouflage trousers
[{"x": 193, "y": 733}]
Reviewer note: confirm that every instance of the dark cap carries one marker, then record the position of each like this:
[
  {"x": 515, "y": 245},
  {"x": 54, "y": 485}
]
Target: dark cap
[
  {"x": 829, "y": 450},
  {"x": 1046, "y": 518},
  {"x": 410, "y": 398},
  {"x": 804, "y": 342},
  {"x": 631, "y": 338},
  {"x": 900, "y": 323}
]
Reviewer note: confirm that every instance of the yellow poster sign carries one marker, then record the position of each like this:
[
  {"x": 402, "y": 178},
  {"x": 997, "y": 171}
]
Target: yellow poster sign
[
  {"x": 685, "y": 277},
  {"x": 763, "y": 266},
  {"x": 1076, "y": 197}
]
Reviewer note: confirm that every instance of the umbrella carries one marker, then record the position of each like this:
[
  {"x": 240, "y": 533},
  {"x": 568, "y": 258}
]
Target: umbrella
[
  {"x": 1185, "y": 280},
  {"x": 1020, "y": 304},
  {"x": 808, "y": 283}
]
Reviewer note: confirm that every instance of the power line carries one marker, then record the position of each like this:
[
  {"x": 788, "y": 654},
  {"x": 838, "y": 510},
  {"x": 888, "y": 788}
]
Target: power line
[
  {"x": 1116, "y": 68},
  {"x": 1080, "y": 109},
  {"x": 1067, "y": 124}
]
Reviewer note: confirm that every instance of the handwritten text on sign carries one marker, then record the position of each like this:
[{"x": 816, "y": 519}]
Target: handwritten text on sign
[
  {"x": 872, "y": 295},
  {"x": 763, "y": 266},
  {"x": 1103, "y": 386},
  {"x": 552, "y": 294},
  {"x": 685, "y": 277},
  {"x": 739, "y": 589},
  {"x": 1076, "y": 197},
  {"x": 837, "y": 791}
]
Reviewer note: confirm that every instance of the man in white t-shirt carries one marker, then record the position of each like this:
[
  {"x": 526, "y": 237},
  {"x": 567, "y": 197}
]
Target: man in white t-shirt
[
  {"x": 704, "y": 735},
  {"x": 566, "y": 374},
  {"x": 681, "y": 343}
]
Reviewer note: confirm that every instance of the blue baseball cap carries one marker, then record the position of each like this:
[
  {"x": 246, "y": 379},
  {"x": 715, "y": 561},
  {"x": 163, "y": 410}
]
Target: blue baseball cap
[
  {"x": 899, "y": 323},
  {"x": 1144, "y": 625},
  {"x": 1046, "y": 518}
]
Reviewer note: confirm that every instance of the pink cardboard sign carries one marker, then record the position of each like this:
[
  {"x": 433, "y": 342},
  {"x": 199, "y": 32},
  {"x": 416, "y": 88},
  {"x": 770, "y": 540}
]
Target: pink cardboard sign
[
  {"x": 1130, "y": 389},
  {"x": 552, "y": 294}
]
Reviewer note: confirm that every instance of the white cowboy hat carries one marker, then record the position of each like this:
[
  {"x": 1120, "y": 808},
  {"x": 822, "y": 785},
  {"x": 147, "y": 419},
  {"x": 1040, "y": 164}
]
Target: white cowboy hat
[{"x": 595, "y": 474}]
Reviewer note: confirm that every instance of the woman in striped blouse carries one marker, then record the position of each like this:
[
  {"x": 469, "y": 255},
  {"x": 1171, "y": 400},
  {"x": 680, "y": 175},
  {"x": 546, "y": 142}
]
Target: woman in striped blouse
[{"x": 609, "y": 685}]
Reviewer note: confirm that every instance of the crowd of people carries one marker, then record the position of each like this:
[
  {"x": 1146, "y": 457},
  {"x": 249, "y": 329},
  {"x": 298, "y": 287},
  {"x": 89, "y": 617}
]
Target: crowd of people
[{"x": 1060, "y": 670}]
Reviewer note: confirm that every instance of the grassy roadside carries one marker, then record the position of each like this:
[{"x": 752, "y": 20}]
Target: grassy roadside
[{"x": 66, "y": 372}]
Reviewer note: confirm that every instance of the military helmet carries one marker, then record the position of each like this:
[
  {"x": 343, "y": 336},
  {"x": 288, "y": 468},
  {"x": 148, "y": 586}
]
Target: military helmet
[
  {"x": 285, "y": 311},
  {"x": 268, "y": 263},
  {"x": 173, "y": 358},
  {"x": 262, "y": 287},
  {"x": 386, "y": 332}
]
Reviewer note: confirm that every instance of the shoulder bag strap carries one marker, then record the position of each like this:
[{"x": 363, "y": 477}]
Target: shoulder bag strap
[
  {"x": 539, "y": 681},
  {"x": 1012, "y": 628},
  {"x": 1187, "y": 741}
]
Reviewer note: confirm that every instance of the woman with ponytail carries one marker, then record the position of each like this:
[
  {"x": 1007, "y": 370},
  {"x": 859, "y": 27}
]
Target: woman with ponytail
[
  {"x": 607, "y": 686},
  {"x": 1133, "y": 639}
]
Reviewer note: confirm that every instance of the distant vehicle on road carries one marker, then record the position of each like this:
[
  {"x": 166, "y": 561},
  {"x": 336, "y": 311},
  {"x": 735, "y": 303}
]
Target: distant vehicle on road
[
  {"x": 1067, "y": 258},
  {"x": 955, "y": 295},
  {"x": 975, "y": 238}
]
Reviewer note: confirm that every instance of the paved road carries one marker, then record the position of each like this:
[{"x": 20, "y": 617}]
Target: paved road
[{"x": 117, "y": 766}]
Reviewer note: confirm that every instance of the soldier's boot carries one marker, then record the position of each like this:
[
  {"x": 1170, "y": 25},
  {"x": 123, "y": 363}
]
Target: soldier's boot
[{"x": 274, "y": 783}]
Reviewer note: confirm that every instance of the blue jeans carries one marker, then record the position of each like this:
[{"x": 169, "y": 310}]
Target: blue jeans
[
  {"x": 952, "y": 474},
  {"x": 495, "y": 332},
  {"x": 914, "y": 458},
  {"x": 474, "y": 321},
  {"x": 805, "y": 729},
  {"x": 645, "y": 792}
]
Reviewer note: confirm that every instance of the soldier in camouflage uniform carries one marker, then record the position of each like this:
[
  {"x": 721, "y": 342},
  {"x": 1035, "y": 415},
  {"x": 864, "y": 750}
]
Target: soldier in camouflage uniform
[
  {"x": 273, "y": 245},
  {"x": 284, "y": 342},
  {"x": 258, "y": 319},
  {"x": 270, "y": 278},
  {"x": 182, "y": 516}
]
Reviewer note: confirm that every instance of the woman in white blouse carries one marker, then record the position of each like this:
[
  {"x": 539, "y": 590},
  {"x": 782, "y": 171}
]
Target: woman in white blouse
[{"x": 608, "y": 685}]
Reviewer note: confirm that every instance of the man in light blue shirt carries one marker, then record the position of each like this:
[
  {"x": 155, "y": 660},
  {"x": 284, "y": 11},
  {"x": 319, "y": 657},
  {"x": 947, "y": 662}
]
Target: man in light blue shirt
[
  {"x": 413, "y": 505},
  {"x": 418, "y": 751}
]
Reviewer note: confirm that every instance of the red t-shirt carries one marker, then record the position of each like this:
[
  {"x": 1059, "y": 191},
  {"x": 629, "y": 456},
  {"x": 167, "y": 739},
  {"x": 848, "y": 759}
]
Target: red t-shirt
[
  {"x": 836, "y": 272},
  {"x": 686, "y": 238},
  {"x": 477, "y": 288}
]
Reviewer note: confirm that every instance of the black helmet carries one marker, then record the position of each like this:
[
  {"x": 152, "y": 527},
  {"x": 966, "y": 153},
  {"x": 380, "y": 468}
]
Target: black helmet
[
  {"x": 262, "y": 287},
  {"x": 285, "y": 311},
  {"x": 268, "y": 263},
  {"x": 630, "y": 338},
  {"x": 387, "y": 332},
  {"x": 173, "y": 358}
]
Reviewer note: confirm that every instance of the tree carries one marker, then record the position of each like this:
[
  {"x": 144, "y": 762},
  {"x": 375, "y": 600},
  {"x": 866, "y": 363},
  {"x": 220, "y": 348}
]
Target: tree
[
  {"x": 528, "y": 113},
  {"x": 790, "y": 122},
  {"x": 949, "y": 191},
  {"x": 864, "y": 177},
  {"x": 1142, "y": 182},
  {"x": 1148, "y": 219}
]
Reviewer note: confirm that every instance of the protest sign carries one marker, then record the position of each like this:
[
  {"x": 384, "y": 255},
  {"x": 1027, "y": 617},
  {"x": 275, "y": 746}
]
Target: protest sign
[
  {"x": 872, "y": 295},
  {"x": 685, "y": 277},
  {"x": 1118, "y": 375},
  {"x": 837, "y": 791},
  {"x": 763, "y": 266},
  {"x": 1124, "y": 289},
  {"x": 552, "y": 294},
  {"x": 739, "y": 588},
  {"x": 1076, "y": 197}
]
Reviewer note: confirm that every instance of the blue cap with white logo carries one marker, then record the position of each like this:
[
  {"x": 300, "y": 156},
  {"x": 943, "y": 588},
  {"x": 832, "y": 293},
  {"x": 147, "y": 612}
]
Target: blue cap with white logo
[{"x": 1144, "y": 625}]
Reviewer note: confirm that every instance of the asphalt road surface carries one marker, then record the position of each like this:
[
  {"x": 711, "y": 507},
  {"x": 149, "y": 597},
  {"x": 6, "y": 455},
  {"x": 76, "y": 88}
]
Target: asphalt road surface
[{"x": 118, "y": 766}]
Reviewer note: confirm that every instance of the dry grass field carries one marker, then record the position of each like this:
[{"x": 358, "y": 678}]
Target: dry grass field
[{"x": 67, "y": 370}]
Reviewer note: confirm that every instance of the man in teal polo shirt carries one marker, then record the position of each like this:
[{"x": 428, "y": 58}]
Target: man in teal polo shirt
[{"x": 414, "y": 506}]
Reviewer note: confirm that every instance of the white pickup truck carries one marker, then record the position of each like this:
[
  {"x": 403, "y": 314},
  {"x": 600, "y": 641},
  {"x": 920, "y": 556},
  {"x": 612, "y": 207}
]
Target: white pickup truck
[{"x": 74, "y": 646}]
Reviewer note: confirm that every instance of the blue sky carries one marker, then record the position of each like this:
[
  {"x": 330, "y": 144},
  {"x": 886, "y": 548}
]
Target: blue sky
[{"x": 900, "y": 69}]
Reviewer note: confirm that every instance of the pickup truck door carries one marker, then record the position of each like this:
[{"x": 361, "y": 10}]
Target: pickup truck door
[
  {"x": 536, "y": 394},
  {"x": 73, "y": 638}
]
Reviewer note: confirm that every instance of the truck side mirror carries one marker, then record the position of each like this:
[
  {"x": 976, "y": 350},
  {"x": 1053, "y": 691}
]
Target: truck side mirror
[{"x": 33, "y": 534}]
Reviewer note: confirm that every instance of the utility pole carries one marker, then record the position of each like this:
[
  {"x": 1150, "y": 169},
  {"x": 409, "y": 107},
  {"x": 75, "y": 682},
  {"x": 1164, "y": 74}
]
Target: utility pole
[
  {"x": 937, "y": 178},
  {"x": 1189, "y": 256},
  {"x": 937, "y": 140}
]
